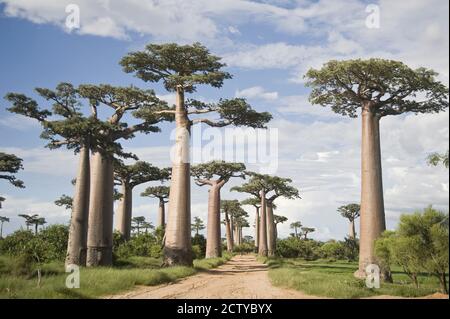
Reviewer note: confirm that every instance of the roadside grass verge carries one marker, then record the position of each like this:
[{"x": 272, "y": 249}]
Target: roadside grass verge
[
  {"x": 94, "y": 282},
  {"x": 335, "y": 279}
]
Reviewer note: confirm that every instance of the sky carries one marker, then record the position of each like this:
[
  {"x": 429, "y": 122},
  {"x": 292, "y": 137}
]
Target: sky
[{"x": 268, "y": 45}]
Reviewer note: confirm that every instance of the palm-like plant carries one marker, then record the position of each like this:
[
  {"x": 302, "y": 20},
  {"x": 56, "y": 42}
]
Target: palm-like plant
[
  {"x": 295, "y": 226},
  {"x": 197, "y": 225},
  {"x": 137, "y": 223},
  {"x": 2, "y": 220}
]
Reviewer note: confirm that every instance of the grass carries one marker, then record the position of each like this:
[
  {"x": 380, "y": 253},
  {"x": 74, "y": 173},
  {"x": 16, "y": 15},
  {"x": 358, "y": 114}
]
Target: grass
[
  {"x": 335, "y": 280},
  {"x": 94, "y": 282}
]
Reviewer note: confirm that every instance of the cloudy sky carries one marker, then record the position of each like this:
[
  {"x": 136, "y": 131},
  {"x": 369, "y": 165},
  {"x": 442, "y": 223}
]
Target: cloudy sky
[{"x": 268, "y": 45}]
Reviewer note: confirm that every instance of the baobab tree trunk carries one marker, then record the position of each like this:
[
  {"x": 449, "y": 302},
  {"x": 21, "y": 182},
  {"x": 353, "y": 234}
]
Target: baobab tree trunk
[
  {"x": 124, "y": 211},
  {"x": 352, "y": 232},
  {"x": 262, "y": 249},
  {"x": 213, "y": 244},
  {"x": 270, "y": 229},
  {"x": 1, "y": 230},
  {"x": 99, "y": 241},
  {"x": 233, "y": 238},
  {"x": 178, "y": 247},
  {"x": 372, "y": 203},
  {"x": 257, "y": 229},
  {"x": 77, "y": 243},
  {"x": 228, "y": 233},
  {"x": 161, "y": 214}
]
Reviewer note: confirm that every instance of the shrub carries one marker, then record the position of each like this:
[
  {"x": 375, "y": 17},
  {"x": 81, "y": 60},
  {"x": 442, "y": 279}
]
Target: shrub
[
  {"x": 244, "y": 248},
  {"x": 294, "y": 247},
  {"x": 200, "y": 241},
  {"x": 145, "y": 245}
]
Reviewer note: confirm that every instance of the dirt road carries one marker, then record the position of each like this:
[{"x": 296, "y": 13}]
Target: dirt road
[{"x": 242, "y": 277}]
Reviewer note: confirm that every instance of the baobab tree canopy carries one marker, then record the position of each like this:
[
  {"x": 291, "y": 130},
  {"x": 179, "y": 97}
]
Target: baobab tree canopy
[
  {"x": 10, "y": 164},
  {"x": 156, "y": 192},
  {"x": 223, "y": 171},
  {"x": 138, "y": 173},
  {"x": 350, "y": 211},
  {"x": 391, "y": 87},
  {"x": 176, "y": 65}
]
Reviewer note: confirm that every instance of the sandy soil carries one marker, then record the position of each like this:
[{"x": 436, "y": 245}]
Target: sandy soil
[{"x": 243, "y": 277}]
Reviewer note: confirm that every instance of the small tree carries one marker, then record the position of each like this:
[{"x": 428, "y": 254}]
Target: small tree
[
  {"x": 435, "y": 159},
  {"x": 181, "y": 68},
  {"x": 161, "y": 193},
  {"x": 296, "y": 226},
  {"x": 351, "y": 212},
  {"x": 10, "y": 164},
  {"x": 137, "y": 223},
  {"x": 379, "y": 88},
  {"x": 215, "y": 174},
  {"x": 277, "y": 219},
  {"x": 2, "y": 220},
  {"x": 197, "y": 225},
  {"x": 306, "y": 231}
]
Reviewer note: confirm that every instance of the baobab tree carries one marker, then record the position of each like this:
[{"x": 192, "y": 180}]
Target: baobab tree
[
  {"x": 379, "y": 88},
  {"x": 229, "y": 207},
  {"x": 268, "y": 189},
  {"x": 29, "y": 219},
  {"x": 161, "y": 193},
  {"x": 435, "y": 159},
  {"x": 182, "y": 68},
  {"x": 3, "y": 219},
  {"x": 296, "y": 226},
  {"x": 197, "y": 225},
  {"x": 33, "y": 220},
  {"x": 64, "y": 201},
  {"x": 138, "y": 223},
  {"x": 351, "y": 212},
  {"x": 10, "y": 164},
  {"x": 2, "y": 199},
  {"x": 146, "y": 226},
  {"x": 256, "y": 203},
  {"x": 306, "y": 231},
  {"x": 215, "y": 174},
  {"x": 277, "y": 219},
  {"x": 65, "y": 125},
  {"x": 121, "y": 100},
  {"x": 128, "y": 177},
  {"x": 239, "y": 222}
]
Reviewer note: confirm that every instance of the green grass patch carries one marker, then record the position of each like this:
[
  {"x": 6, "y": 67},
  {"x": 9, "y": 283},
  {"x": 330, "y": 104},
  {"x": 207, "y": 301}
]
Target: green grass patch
[
  {"x": 335, "y": 279},
  {"x": 18, "y": 280}
]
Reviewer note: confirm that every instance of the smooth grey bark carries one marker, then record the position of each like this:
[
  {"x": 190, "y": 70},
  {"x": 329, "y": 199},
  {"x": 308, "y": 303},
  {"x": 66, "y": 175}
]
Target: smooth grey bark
[
  {"x": 125, "y": 211},
  {"x": 77, "y": 242},
  {"x": 262, "y": 249},
  {"x": 99, "y": 241},
  {"x": 213, "y": 243},
  {"x": 257, "y": 229},
  {"x": 178, "y": 246},
  {"x": 228, "y": 233},
  {"x": 270, "y": 230},
  {"x": 372, "y": 222},
  {"x": 352, "y": 232},
  {"x": 161, "y": 213}
]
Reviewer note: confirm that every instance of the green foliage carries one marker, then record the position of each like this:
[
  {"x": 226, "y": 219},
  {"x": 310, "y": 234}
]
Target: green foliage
[
  {"x": 205, "y": 172},
  {"x": 64, "y": 201},
  {"x": 138, "y": 173},
  {"x": 199, "y": 246},
  {"x": 340, "y": 250},
  {"x": 145, "y": 245},
  {"x": 244, "y": 248},
  {"x": 435, "y": 159},
  {"x": 390, "y": 86},
  {"x": 350, "y": 211},
  {"x": 197, "y": 225},
  {"x": 10, "y": 164},
  {"x": 160, "y": 192},
  {"x": 293, "y": 247}
]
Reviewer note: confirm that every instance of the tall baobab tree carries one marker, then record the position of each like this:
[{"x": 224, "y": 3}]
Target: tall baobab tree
[
  {"x": 10, "y": 164},
  {"x": 239, "y": 222},
  {"x": 197, "y": 225},
  {"x": 3, "y": 219},
  {"x": 128, "y": 177},
  {"x": 306, "y": 231},
  {"x": 277, "y": 219},
  {"x": 229, "y": 207},
  {"x": 256, "y": 203},
  {"x": 29, "y": 219},
  {"x": 296, "y": 226},
  {"x": 351, "y": 212},
  {"x": 268, "y": 189},
  {"x": 379, "y": 88},
  {"x": 182, "y": 68},
  {"x": 161, "y": 193},
  {"x": 121, "y": 100},
  {"x": 65, "y": 125},
  {"x": 215, "y": 174}
]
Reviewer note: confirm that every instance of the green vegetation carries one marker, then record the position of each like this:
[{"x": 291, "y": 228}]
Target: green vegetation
[{"x": 335, "y": 279}]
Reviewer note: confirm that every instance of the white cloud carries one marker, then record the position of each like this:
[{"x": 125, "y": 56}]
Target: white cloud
[
  {"x": 18, "y": 122},
  {"x": 256, "y": 92}
]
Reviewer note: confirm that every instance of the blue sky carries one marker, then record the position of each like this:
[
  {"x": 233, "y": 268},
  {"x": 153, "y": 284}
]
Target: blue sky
[{"x": 268, "y": 46}]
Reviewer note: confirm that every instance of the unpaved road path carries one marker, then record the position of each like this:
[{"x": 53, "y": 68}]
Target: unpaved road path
[{"x": 242, "y": 277}]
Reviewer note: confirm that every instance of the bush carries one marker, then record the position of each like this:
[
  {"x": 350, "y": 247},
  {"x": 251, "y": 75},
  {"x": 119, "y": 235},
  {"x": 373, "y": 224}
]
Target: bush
[
  {"x": 294, "y": 247},
  {"x": 200, "y": 242},
  {"x": 245, "y": 248},
  {"x": 197, "y": 252},
  {"x": 145, "y": 245}
]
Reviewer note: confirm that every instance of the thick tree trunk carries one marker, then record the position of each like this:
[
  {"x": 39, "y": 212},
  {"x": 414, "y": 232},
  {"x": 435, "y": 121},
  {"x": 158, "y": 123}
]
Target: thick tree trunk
[
  {"x": 213, "y": 244},
  {"x": 276, "y": 233},
  {"x": 352, "y": 232},
  {"x": 1, "y": 230},
  {"x": 228, "y": 233},
  {"x": 77, "y": 243},
  {"x": 257, "y": 229},
  {"x": 161, "y": 214},
  {"x": 240, "y": 236},
  {"x": 124, "y": 211},
  {"x": 262, "y": 249},
  {"x": 443, "y": 283},
  {"x": 270, "y": 230},
  {"x": 99, "y": 241},
  {"x": 178, "y": 246},
  {"x": 372, "y": 203},
  {"x": 233, "y": 236}
]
